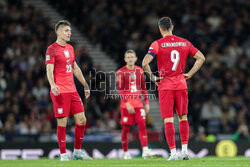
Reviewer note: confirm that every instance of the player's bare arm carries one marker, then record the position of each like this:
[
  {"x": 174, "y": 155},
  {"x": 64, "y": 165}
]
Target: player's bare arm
[
  {"x": 197, "y": 65},
  {"x": 54, "y": 88},
  {"x": 78, "y": 73},
  {"x": 147, "y": 108},
  {"x": 145, "y": 65},
  {"x": 144, "y": 93}
]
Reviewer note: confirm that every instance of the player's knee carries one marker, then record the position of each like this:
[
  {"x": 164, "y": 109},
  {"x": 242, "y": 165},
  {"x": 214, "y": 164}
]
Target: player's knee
[
  {"x": 81, "y": 121},
  {"x": 142, "y": 125},
  {"x": 126, "y": 128},
  {"x": 182, "y": 118},
  {"x": 167, "y": 120},
  {"x": 62, "y": 122}
]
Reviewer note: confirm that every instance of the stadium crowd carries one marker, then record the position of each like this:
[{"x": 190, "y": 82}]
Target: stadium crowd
[{"x": 219, "y": 95}]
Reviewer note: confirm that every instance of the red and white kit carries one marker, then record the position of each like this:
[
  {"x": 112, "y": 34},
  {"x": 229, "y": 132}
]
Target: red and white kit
[
  {"x": 131, "y": 85},
  {"x": 172, "y": 52},
  {"x": 68, "y": 102}
]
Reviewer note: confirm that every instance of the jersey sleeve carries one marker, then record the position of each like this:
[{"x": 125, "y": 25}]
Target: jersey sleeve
[
  {"x": 120, "y": 83},
  {"x": 192, "y": 50},
  {"x": 50, "y": 56},
  {"x": 153, "y": 49},
  {"x": 143, "y": 88}
]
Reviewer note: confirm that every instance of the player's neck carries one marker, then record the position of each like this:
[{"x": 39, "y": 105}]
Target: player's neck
[
  {"x": 61, "y": 42},
  {"x": 130, "y": 67},
  {"x": 167, "y": 34}
]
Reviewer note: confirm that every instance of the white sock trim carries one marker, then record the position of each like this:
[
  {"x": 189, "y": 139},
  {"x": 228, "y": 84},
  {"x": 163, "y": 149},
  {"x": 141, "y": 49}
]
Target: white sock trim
[
  {"x": 184, "y": 148},
  {"x": 173, "y": 151},
  {"x": 145, "y": 148},
  {"x": 77, "y": 150}
]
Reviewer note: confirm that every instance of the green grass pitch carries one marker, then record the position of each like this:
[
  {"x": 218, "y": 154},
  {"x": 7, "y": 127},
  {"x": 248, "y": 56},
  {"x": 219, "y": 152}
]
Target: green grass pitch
[{"x": 209, "y": 161}]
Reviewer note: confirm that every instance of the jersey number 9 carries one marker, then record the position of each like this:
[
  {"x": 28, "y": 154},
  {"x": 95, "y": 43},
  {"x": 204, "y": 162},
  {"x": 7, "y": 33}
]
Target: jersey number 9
[{"x": 175, "y": 58}]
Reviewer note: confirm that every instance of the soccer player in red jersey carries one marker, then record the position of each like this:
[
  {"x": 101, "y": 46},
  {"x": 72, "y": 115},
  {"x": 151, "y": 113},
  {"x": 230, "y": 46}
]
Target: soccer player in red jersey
[
  {"x": 60, "y": 66},
  {"x": 131, "y": 85},
  {"x": 172, "y": 52}
]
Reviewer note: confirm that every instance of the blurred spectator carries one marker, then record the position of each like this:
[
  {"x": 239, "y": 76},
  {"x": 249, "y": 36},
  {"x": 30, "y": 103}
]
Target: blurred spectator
[{"x": 211, "y": 116}]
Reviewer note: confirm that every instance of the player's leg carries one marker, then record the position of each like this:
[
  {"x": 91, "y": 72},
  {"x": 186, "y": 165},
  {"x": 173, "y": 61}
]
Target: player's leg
[
  {"x": 166, "y": 101},
  {"x": 80, "y": 121},
  {"x": 126, "y": 122},
  {"x": 124, "y": 137},
  {"x": 181, "y": 98},
  {"x": 184, "y": 133},
  {"x": 61, "y": 111},
  {"x": 61, "y": 136},
  {"x": 140, "y": 117}
]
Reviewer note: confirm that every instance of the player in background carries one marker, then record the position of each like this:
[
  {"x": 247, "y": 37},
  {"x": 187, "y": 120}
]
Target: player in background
[
  {"x": 131, "y": 85},
  {"x": 60, "y": 66},
  {"x": 171, "y": 52}
]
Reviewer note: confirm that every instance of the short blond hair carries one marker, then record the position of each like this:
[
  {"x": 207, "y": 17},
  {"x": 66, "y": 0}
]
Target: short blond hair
[{"x": 129, "y": 51}]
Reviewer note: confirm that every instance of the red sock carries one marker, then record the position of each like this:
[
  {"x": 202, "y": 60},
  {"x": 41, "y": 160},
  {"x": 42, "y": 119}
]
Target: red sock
[
  {"x": 184, "y": 131},
  {"x": 143, "y": 134},
  {"x": 79, "y": 134},
  {"x": 61, "y": 136},
  {"x": 170, "y": 134},
  {"x": 125, "y": 131}
]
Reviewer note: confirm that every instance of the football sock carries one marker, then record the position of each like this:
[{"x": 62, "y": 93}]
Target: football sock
[
  {"x": 125, "y": 131},
  {"x": 77, "y": 150},
  {"x": 170, "y": 135},
  {"x": 184, "y": 148},
  {"x": 143, "y": 134},
  {"x": 173, "y": 151},
  {"x": 79, "y": 134},
  {"x": 184, "y": 132},
  {"x": 61, "y": 136},
  {"x": 144, "y": 149}
]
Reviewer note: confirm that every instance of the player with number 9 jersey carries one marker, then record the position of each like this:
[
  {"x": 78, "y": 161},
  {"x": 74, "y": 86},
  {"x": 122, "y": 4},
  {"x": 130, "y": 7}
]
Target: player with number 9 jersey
[{"x": 172, "y": 52}]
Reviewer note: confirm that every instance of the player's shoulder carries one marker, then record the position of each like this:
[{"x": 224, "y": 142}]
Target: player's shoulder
[
  {"x": 156, "y": 41},
  {"x": 52, "y": 46},
  {"x": 122, "y": 69},
  {"x": 138, "y": 67},
  {"x": 69, "y": 46},
  {"x": 181, "y": 39}
]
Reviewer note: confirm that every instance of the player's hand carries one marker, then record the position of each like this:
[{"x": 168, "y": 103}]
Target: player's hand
[
  {"x": 147, "y": 108},
  {"x": 130, "y": 108},
  {"x": 87, "y": 93},
  {"x": 156, "y": 79},
  {"x": 187, "y": 76},
  {"x": 55, "y": 90}
]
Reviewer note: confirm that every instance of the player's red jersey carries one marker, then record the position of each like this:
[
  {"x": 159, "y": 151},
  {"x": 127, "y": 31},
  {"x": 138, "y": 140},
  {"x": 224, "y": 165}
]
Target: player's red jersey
[
  {"x": 172, "y": 52},
  {"x": 131, "y": 85},
  {"x": 62, "y": 57}
]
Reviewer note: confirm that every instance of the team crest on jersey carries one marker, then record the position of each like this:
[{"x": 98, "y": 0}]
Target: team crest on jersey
[{"x": 66, "y": 53}]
